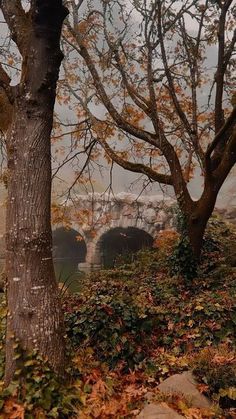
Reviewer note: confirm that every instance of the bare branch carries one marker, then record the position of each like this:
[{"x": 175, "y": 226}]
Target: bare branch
[
  {"x": 227, "y": 162},
  {"x": 136, "y": 167},
  {"x": 139, "y": 100},
  {"x": 170, "y": 86},
  {"x": 230, "y": 49},
  {"x": 221, "y": 66},
  {"x": 17, "y": 21},
  {"x": 89, "y": 151},
  {"x": 120, "y": 121},
  {"x": 229, "y": 124},
  {"x": 90, "y": 145}
]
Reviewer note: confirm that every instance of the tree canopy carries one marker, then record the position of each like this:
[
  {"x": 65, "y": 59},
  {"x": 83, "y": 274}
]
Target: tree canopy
[{"x": 153, "y": 86}]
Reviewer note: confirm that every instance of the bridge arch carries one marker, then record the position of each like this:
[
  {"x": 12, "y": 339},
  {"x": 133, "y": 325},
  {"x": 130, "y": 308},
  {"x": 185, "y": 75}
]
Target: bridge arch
[
  {"x": 121, "y": 242},
  {"x": 139, "y": 235}
]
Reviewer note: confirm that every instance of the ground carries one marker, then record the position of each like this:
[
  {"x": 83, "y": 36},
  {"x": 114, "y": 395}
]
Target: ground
[{"x": 130, "y": 328}]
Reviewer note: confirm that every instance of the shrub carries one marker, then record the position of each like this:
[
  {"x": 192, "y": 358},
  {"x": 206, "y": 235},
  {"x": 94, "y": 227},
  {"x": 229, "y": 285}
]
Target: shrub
[
  {"x": 216, "y": 367},
  {"x": 182, "y": 261},
  {"x": 35, "y": 390},
  {"x": 114, "y": 318},
  {"x": 217, "y": 248},
  {"x": 164, "y": 245},
  {"x": 123, "y": 315}
]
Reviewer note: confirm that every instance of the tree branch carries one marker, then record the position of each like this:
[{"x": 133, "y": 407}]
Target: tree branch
[
  {"x": 140, "y": 101},
  {"x": 230, "y": 49},
  {"x": 192, "y": 54},
  {"x": 17, "y": 21},
  {"x": 219, "y": 76},
  {"x": 227, "y": 162},
  {"x": 231, "y": 121},
  {"x": 5, "y": 81},
  {"x": 229, "y": 124},
  {"x": 158, "y": 141},
  {"x": 136, "y": 167},
  {"x": 120, "y": 121},
  {"x": 170, "y": 86}
]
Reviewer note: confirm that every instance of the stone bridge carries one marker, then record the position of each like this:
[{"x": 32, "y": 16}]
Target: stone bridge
[{"x": 112, "y": 225}]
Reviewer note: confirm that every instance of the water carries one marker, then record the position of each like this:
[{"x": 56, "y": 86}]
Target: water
[{"x": 67, "y": 273}]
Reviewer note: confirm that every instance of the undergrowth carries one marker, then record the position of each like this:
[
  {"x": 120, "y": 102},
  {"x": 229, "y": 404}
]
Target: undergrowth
[{"x": 131, "y": 327}]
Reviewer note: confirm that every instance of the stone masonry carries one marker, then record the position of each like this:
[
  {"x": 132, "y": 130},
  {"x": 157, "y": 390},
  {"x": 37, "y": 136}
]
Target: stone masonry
[{"x": 150, "y": 214}]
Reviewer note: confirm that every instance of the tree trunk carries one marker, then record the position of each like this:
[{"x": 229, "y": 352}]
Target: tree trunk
[
  {"x": 198, "y": 216},
  {"x": 34, "y": 312},
  {"x": 196, "y": 230}
]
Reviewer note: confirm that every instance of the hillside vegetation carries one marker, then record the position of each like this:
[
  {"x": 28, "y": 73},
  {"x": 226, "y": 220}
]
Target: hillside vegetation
[{"x": 131, "y": 327}]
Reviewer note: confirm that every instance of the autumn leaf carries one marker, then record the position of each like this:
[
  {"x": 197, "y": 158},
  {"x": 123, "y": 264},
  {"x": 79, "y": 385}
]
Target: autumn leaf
[
  {"x": 203, "y": 388},
  {"x": 13, "y": 410}
]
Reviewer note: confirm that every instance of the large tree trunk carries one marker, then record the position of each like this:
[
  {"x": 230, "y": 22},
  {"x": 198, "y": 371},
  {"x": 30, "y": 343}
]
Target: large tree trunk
[
  {"x": 196, "y": 231},
  {"x": 34, "y": 311},
  {"x": 198, "y": 215}
]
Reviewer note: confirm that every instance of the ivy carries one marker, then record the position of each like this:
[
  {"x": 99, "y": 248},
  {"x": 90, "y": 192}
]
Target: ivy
[
  {"x": 182, "y": 261},
  {"x": 131, "y": 327}
]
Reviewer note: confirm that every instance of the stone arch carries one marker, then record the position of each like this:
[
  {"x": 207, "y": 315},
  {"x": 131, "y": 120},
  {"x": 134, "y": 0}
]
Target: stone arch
[
  {"x": 125, "y": 222},
  {"x": 68, "y": 251},
  {"x": 118, "y": 241}
]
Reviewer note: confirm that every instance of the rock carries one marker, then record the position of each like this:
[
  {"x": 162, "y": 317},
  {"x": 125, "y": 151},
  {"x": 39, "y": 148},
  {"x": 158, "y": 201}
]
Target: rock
[
  {"x": 158, "y": 411},
  {"x": 162, "y": 216},
  {"x": 150, "y": 215},
  {"x": 185, "y": 384},
  {"x": 128, "y": 210},
  {"x": 125, "y": 196}
]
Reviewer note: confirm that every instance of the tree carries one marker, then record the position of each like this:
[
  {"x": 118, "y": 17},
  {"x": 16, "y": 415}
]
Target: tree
[
  {"x": 156, "y": 104},
  {"x": 34, "y": 313}
]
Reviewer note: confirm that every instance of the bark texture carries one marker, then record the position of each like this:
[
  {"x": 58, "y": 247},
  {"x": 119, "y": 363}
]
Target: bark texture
[{"x": 34, "y": 311}]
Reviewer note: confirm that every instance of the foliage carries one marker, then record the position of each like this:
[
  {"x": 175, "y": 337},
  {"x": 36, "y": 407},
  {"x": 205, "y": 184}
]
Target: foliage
[
  {"x": 179, "y": 220},
  {"x": 165, "y": 243},
  {"x": 37, "y": 389},
  {"x": 130, "y": 328},
  {"x": 216, "y": 367},
  {"x": 126, "y": 312},
  {"x": 217, "y": 247},
  {"x": 182, "y": 261},
  {"x": 150, "y": 259},
  {"x": 219, "y": 238}
]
